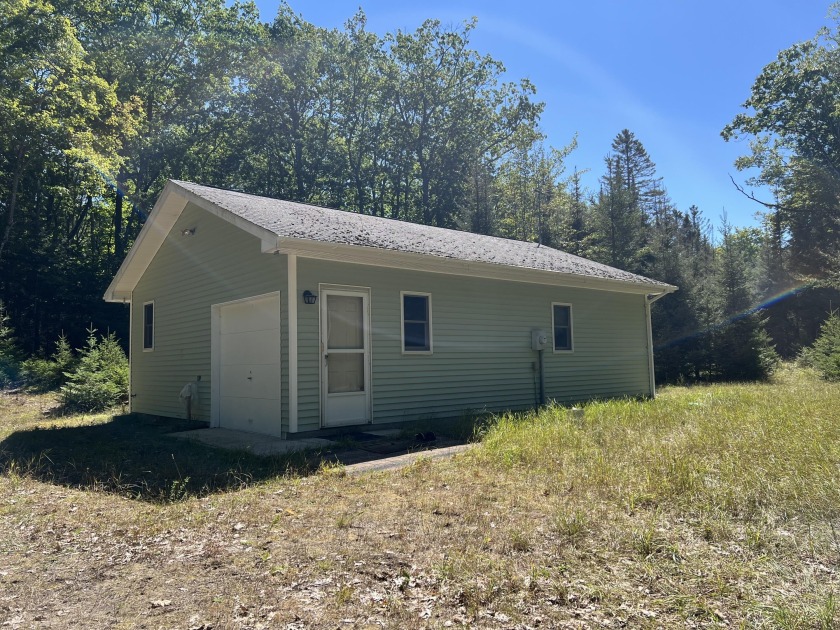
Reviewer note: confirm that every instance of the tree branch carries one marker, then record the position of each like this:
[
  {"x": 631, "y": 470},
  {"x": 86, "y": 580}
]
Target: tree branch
[{"x": 771, "y": 206}]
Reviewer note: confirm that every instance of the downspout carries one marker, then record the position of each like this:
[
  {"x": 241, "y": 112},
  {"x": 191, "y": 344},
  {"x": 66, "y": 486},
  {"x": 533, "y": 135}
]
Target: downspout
[
  {"x": 292, "y": 298},
  {"x": 650, "y": 298},
  {"x": 130, "y": 350}
]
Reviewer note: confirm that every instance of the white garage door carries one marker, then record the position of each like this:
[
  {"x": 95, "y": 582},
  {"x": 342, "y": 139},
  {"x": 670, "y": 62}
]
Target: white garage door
[{"x": 249, "y": 364}]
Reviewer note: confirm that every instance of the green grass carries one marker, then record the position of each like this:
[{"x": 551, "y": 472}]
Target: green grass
[
  {"x": 125, "y": 454},
  {"x": 710, "y": 506},
  {"x": 742, "y": 450}
]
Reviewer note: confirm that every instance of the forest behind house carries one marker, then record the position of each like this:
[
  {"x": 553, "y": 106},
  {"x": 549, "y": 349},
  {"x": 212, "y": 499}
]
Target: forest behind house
[{"x": 102, "y": 102}]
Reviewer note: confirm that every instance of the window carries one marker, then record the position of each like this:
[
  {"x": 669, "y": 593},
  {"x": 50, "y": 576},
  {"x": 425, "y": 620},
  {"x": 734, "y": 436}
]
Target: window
[
  {"x": 561, "y": 317},
  {"x": 417, "y": 322},
  {"x": 149, "y": 326}
]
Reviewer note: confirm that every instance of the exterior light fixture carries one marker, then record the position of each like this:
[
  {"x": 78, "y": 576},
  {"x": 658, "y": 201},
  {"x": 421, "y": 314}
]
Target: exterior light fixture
[
  {"x": 188, "y": 232},
  {"x": 309, "y": 297}
]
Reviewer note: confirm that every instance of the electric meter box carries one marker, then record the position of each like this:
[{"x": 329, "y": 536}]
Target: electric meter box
[{"x": 539, "y": 339}]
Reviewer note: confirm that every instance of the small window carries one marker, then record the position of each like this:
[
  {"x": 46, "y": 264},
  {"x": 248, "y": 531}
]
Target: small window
[
  {"x": 149, "y": 326},
  {"x": 562, "y": 324},
  {"x": 417, "y": 322}
]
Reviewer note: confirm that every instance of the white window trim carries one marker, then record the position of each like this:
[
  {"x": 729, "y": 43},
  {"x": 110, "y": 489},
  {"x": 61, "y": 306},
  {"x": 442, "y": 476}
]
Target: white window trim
[
  {"x": 143, "y": 326},
  {"x": 402, "y": 324},
  {"x": 571, "y": 347}
]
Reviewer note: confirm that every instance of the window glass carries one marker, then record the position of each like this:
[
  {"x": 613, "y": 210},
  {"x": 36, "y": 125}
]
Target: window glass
[
  {"x": 345, "y": 322},
  {"x": 416, "y": 329},
  {"x": 148, "y": 326},
  {"x": 346, "y": 373},
  {"x": 562, "y": 327}
]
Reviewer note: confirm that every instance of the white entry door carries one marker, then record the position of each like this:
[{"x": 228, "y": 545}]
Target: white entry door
[
  {"x": 249, "y": 365},
  {"x": 345, "y": 345}
]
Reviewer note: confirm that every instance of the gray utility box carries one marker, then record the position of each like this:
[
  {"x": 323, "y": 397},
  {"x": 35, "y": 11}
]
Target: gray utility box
[{"x": 539, "y": 339}]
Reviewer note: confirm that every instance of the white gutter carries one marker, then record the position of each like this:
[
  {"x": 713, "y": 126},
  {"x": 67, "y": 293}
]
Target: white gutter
[{"x": 360, "y": 254}]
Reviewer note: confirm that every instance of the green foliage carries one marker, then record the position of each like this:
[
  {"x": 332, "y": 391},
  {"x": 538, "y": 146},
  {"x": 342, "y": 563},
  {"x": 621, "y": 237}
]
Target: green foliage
[
  {"x": 824, "y": 355},
  {"x": 49, "y": 374},
  {"x": 742, "y": 351},
  {"x": 740, "y": 450},
  {"x": 9, "y": 353},
  {"x": 792, "y": 119},
  {"x": 103, "y": 102},
  {"x": 100, "y": 380},
  {"x": 630, "y": 197}
]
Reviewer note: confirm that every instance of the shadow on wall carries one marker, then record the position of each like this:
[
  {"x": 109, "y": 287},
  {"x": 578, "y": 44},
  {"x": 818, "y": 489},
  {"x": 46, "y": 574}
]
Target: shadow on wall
[{"x": 133, "y": 456}]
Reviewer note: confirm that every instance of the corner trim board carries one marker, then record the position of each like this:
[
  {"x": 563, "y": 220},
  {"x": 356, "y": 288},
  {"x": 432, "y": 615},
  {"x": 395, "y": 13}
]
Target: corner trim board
[{"x": 292, "y": 296}]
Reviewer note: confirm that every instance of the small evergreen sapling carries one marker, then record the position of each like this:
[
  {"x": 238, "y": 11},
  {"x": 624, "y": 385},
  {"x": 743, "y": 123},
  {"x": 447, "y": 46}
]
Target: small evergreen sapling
[
  {"x": 9, "y": 353},
  {"x": 45, "y": 375},
  {"x": 100, "y": 380},
  {"x": 824, "y": 355}
]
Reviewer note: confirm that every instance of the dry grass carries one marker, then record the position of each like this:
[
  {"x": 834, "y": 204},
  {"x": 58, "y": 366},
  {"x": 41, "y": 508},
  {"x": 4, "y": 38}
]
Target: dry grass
[{"x": 711, "y": 506}]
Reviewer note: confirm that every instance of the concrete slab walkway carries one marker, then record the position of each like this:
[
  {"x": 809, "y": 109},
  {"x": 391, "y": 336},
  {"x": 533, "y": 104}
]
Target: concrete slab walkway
[
  {"x": 355, "y": 460},
  {"x": 401, "y": 461},
  {"x": 252, "y": 442}
]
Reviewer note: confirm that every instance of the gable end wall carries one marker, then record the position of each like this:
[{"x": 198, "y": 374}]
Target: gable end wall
[{"x": 219, "y": 263}]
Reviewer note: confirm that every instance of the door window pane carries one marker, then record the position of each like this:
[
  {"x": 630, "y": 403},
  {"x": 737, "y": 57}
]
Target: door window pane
[
  {"x": 346, "y": 373},
  {"x": 345, "y": 328}
]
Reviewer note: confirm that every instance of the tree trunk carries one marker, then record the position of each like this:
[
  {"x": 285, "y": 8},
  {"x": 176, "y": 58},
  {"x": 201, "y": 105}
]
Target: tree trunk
[
  {"x": 119, "y": 242},
  {"x": 10, "y": 216}
]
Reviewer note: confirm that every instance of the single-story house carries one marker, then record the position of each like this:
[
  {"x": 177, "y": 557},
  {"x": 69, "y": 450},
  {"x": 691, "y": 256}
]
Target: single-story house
[{"x": 289, "y": 318}]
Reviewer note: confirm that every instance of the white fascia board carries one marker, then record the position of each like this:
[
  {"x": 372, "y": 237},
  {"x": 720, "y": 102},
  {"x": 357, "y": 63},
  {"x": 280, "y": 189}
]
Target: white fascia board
[
  {"x": 168, "y": 208},
  {"x": 163, "y": 217},
  {"x": 268, "y": 239},
  {"x": 436, "y": 264}
]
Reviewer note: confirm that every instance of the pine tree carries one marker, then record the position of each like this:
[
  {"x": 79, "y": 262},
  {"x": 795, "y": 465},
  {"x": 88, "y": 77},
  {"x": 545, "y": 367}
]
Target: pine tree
[
  {"x": 742, "y": 349},
  {"x": 629, "y": 195}
]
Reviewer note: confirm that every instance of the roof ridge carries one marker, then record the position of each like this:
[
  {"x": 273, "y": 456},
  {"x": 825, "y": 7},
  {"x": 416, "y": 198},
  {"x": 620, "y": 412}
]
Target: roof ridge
[
  {"x": 321, "y": 223},
  {"x": 377, "y": 217}
]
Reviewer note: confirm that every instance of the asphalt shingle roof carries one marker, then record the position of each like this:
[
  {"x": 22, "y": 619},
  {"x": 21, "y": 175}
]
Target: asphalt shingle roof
[{"x": 303, "y": 221}]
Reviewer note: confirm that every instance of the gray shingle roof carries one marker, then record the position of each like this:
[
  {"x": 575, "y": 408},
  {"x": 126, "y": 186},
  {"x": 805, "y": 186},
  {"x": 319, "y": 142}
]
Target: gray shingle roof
[{"x": 303, "y": 221}]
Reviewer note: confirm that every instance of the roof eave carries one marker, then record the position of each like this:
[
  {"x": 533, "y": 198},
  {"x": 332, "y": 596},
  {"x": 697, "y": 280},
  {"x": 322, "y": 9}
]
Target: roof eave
[
  {"x": 161, "y": 219},
  {"x": 160, "y": 222},
  {"x": 360, "y": 254}
]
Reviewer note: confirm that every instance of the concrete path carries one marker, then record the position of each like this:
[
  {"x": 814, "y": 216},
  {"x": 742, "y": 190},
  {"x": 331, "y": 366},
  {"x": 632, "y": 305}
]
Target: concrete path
[
  {"x": 252, "y": 442},
  {"x": 401, "y": 461},
  {"x": 356, "y": 461}
]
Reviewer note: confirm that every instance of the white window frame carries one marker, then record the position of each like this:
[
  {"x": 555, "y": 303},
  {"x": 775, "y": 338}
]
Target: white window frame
[
  {"x": 571, "y": 347},
  {"x": 143, "y": 326},
  {"x": 428, "y": 296}
]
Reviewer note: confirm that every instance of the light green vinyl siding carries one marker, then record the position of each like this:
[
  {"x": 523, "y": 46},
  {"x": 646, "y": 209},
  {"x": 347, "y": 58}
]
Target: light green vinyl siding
[
  {"x": 219, "y": 263},
  {"x": 481, "y": 333}
]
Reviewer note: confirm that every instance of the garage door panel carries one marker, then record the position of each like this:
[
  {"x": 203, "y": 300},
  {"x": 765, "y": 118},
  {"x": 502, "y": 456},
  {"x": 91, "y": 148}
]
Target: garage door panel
[
  {"x": 249, "y": 366},
  {"x": 251, "y": 414},
  {"x": 262, "y": 314},
  {"x": 250, "y": 347},
  {"x": 251, "y": 381}
]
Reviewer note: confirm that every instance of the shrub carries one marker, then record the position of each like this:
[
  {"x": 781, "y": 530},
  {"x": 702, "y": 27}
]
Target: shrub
[
  {"x": 9, "y": 354},
  {"x": 49, "y": 374},
  {"x": 824, "y": 354},
  {"x": 742, "y": 351},
  {"x": 100, "y": 380}
]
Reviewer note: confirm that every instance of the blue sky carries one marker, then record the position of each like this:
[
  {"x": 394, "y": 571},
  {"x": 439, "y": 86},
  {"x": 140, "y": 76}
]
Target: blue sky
[{"x": 673, "y": 72}]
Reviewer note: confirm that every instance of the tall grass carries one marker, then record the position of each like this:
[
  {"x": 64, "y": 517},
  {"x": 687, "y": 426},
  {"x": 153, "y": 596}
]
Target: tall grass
[{"x": 743, "y": 450}]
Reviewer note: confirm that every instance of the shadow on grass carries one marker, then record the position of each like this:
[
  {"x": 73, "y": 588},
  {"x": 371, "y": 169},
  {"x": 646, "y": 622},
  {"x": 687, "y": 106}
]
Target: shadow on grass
[{"x": 134, "y": 457}]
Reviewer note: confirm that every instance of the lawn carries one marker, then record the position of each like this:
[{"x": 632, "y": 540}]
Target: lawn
[{"x": 710, "y": 506}]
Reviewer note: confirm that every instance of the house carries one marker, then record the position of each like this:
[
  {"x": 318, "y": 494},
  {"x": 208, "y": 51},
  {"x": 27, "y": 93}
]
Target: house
[{"x": 289, "y": 318}]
